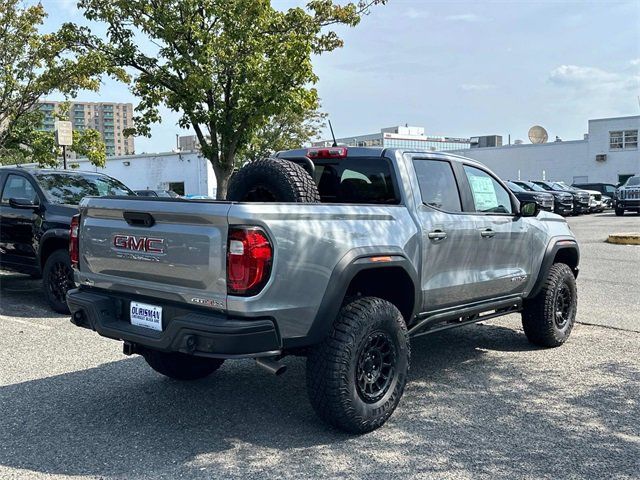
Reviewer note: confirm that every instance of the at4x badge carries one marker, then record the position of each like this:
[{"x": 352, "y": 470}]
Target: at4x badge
[{"x": 207, "y": 302}]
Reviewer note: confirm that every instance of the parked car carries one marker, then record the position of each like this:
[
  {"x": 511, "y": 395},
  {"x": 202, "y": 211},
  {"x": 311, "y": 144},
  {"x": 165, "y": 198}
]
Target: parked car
[
  {"x": 156, "y": 193},
  {"x": 376, "y": 247},
  {"x": 605, "y": 189},
  {"x": 544, "y": 200},
  {"x": 562, "y": 201},
  {"x": 595, "y": 197},
  {"x": 35, "y": 214},
  {"x": 580, "y": 199},
  {"x": 628, "y": 196}
]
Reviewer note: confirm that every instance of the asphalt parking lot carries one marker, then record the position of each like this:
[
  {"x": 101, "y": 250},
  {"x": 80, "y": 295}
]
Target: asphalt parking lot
[{"x": 481, "y": 403}]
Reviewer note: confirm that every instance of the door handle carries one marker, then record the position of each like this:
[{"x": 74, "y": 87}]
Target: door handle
[
  {"x": 437, "y": 235},
  {"x": 487, "y": 233}
]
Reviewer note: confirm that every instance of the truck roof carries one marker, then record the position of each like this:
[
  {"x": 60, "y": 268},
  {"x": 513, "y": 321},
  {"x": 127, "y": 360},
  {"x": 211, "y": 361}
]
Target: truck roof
[{"x": 376, "y": 152}]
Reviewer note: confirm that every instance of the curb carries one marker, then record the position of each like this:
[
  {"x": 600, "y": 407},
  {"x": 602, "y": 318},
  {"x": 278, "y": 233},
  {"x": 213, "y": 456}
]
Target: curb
[{"x": 624, "y": 238}]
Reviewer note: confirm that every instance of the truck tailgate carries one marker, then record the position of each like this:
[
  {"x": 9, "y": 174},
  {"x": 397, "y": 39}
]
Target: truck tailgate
[{"x": 171, "y": 249}]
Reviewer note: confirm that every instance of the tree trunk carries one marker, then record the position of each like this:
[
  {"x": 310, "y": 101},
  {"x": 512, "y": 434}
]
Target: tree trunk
[{"x": 222, "y": 180}]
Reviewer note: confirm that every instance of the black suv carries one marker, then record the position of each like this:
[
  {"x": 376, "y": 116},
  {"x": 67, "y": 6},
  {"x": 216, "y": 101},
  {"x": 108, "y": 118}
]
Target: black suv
[
  {"x": 562, "y": 201},
  {"x": 580, "y": 198},
  {"x": 543, "y": 199},
  {"x": 36, "y": 207}
]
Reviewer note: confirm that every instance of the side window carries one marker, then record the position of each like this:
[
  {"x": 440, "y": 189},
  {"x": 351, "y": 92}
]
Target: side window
[
  {"x": 18, "y": 186},
  {"x": 438, "y": 186},
  {"x": 488, "y": 195}
]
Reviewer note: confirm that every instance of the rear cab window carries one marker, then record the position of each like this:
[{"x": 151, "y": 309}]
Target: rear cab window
[{"x": 361, "y": 180}]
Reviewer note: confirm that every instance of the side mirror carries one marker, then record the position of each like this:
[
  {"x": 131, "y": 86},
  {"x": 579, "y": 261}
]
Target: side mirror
[
  {"x": 23, "y": 203},
  {"x": 529, "y": 209}
]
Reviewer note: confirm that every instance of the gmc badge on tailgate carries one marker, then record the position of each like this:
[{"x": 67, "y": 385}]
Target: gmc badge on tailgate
[{"x": 139, "y": 244}]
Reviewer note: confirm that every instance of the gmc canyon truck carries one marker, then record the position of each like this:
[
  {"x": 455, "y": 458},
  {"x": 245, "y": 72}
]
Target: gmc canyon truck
[{"x": 401, "y": 244}]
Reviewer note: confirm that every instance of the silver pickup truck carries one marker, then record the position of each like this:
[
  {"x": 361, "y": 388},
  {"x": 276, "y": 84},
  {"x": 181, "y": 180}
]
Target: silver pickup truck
[{"x": 401, "y": 244}]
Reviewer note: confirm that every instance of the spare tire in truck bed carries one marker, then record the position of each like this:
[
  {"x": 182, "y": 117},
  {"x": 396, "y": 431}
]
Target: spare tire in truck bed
[{"x": 272, "y": 180}]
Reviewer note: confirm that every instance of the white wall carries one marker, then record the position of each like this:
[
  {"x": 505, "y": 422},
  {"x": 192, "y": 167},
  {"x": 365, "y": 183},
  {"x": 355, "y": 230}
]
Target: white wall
[
  {"x": 156, "y": 171},
  {"x": 553, "y": 161},
  {"x": 567, "y": 161},
  {"x": 618, "y": 161}
]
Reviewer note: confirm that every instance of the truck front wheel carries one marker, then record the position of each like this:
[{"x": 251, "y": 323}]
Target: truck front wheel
[
  {"x": 180, "y": 366},
  {"x": 548, "y": 318},
  {"x": 356, "y": 376},
  {"x": 57, "y": 279},
  {"x": 619, "y": 212}
]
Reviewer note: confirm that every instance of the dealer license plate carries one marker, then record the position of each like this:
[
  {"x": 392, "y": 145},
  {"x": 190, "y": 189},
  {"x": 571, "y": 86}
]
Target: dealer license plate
[{"x": 145, "y": 315}]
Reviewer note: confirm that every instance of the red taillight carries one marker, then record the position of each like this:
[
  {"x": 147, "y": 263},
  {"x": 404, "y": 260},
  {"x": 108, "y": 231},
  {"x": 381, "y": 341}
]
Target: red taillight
[
  {"x": 249, "y": 256},
  {"x": 331, "y": 152},
  {"x": 74, "y": 244}
]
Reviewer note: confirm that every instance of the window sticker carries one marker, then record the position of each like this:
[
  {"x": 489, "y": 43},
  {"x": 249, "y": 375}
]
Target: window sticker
[{"x": 484, "y": 194}]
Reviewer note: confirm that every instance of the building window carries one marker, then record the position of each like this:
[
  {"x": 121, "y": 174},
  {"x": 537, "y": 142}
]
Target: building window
[{"x": 627, "y": 139}]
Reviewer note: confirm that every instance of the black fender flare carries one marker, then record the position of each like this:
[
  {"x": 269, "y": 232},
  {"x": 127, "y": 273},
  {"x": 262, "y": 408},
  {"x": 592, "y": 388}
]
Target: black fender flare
[
  {"x": 54, "y": 233},
  {"x": 555, "y": 245},
  {"x": 354, "y": 262}
]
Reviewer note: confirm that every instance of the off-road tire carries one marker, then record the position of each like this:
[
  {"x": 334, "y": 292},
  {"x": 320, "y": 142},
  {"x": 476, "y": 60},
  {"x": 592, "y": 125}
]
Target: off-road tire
[
  {"x": 272, "y": 180},
  {"x": 181, "y": 366},
  {"x": 332, "y": 382},
  {"x": 57, "y": 279},
  {"x": 619, "y": 212},
  {"x": 541, "y": 320}
]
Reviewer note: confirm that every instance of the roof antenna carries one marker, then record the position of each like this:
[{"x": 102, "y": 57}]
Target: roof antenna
[{"x": 335, "y": 144}]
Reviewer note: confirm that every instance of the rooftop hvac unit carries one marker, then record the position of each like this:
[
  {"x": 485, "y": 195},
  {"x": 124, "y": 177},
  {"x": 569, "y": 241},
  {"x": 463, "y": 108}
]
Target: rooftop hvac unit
[{"x": 602, "y": 157}]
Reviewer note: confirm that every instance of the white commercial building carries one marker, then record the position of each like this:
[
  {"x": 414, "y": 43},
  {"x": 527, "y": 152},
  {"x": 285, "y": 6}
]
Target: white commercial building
[
  {"x": 400, "y": 137},
  {"x": 184, "y": 173},
  {"x": 608, "y": 153}
]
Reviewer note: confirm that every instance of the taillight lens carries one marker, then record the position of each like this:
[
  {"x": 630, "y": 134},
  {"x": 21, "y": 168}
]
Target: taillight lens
[
  {"x": 249, "y": 257},
  {"x": 74, "y": 252}
]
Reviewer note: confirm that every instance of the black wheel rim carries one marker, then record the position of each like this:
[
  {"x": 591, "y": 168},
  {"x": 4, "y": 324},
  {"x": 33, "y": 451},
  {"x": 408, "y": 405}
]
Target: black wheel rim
[
  {"x": 376, "y": 367},
  {"x": 562, "y": 306},
  {"x": 60, "y": 280}
]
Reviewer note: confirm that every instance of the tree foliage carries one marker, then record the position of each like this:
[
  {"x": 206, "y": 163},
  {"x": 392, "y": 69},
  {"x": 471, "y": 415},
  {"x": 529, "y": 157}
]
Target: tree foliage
[
  {"x": 285, "y": 131},
  {"x": 33, "y": 65},
  {"x": 228, "y": 66}
]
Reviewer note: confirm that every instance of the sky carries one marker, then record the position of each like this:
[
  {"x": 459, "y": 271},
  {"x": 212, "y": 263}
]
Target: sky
[{"x": 460, "y": 68}]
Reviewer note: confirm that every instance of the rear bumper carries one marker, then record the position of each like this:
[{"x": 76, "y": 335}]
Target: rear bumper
[{"x": 191, "y": 331}]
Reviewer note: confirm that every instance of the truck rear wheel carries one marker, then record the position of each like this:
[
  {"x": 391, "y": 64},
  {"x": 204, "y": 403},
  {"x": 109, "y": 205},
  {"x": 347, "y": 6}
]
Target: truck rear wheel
[
  {"x": 272, "y": 180},
  {"x": 181, "y": 366},
  {"x": 356, "y": 376},
  {"x": 548, "y": 318}
]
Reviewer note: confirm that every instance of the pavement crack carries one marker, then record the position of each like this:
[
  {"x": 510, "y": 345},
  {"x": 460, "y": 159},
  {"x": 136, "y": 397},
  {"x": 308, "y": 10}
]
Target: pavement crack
[{"x": 609, "y": 327}]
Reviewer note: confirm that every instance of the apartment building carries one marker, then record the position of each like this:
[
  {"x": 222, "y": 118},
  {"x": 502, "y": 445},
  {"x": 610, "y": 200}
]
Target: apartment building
[{"x": 109, "y": 118}]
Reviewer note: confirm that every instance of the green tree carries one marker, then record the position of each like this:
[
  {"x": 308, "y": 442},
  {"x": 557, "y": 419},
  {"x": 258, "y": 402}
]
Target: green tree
[
  {"x": 228, "y": 66},
  {"x": 285, "y": 131},
  {"x": 33, "y": 65}
]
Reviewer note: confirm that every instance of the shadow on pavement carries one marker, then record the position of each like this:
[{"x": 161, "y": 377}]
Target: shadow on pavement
[
  {"x": 22, "y": 296},
  {"x": 465, "y": 413}
]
